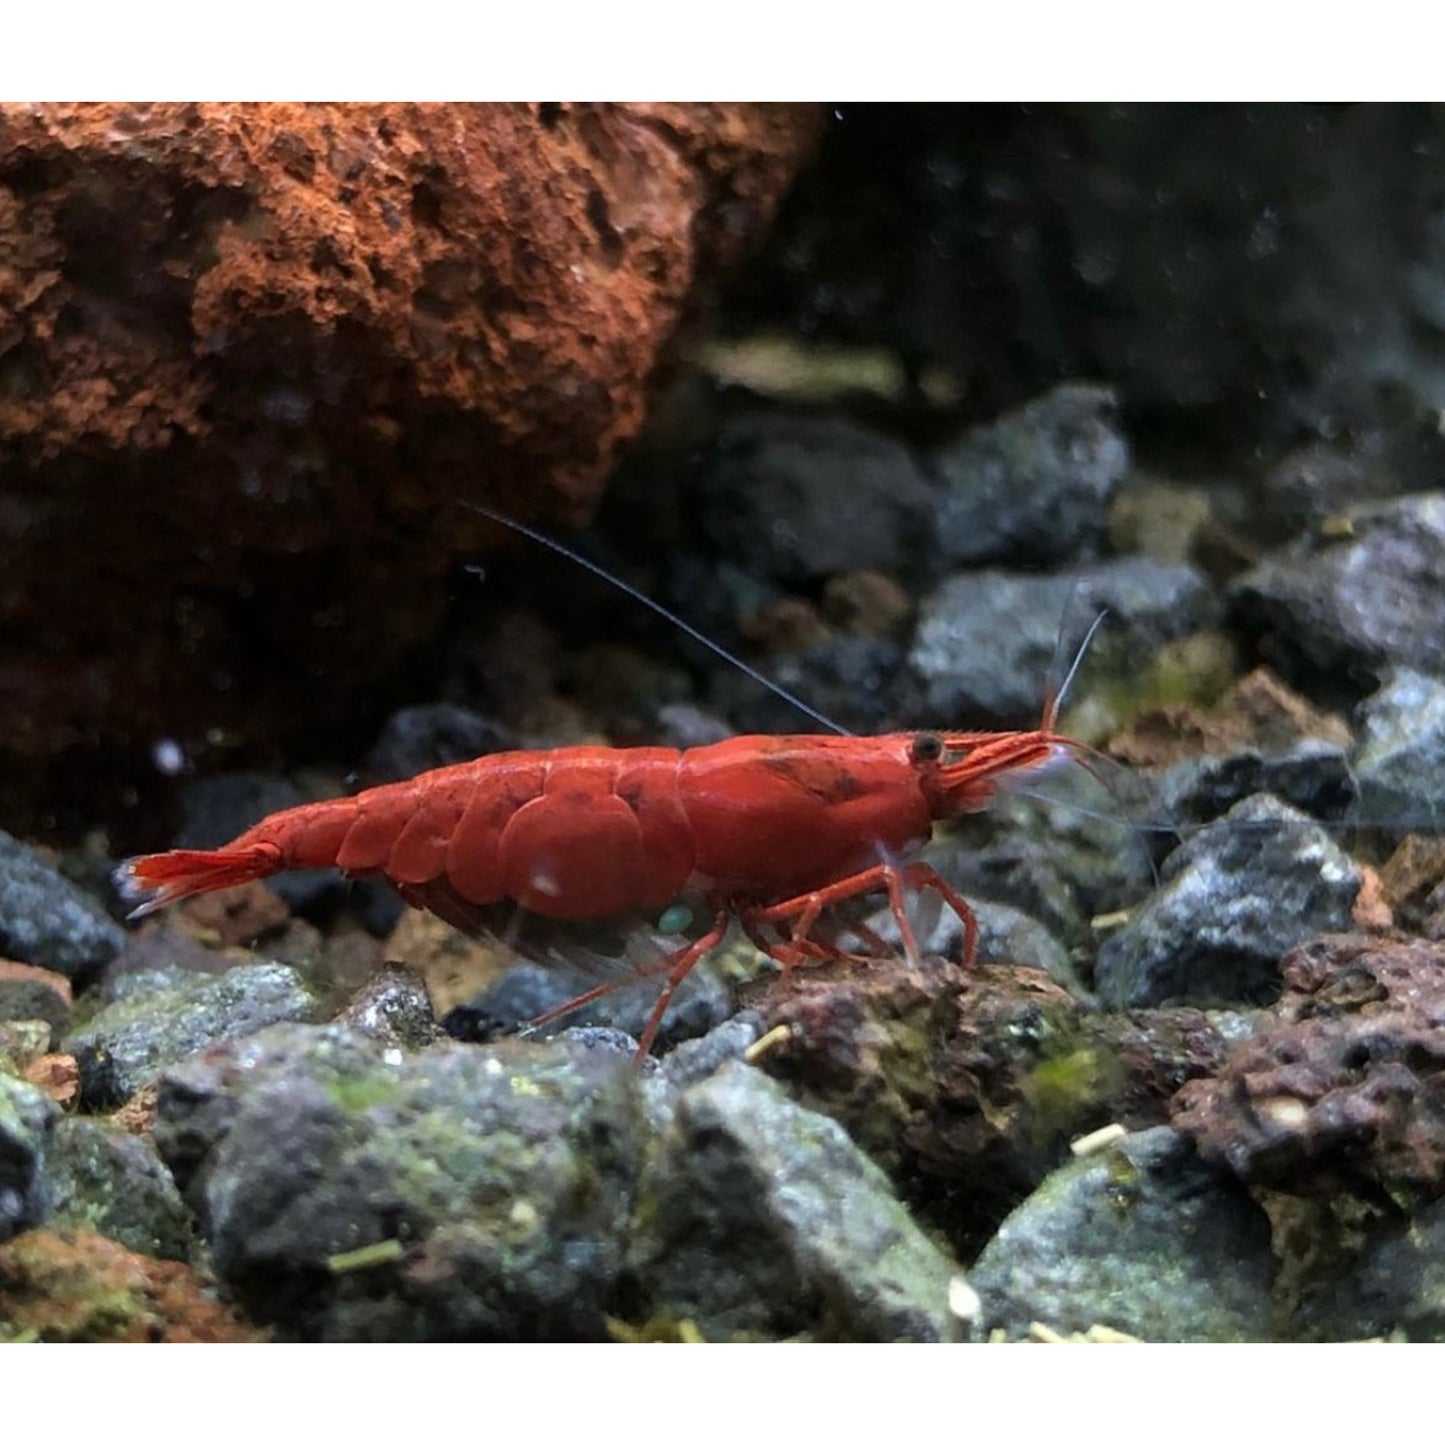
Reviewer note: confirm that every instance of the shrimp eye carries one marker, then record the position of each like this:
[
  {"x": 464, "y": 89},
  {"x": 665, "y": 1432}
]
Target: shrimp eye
[{"x": 927, "y": 748}]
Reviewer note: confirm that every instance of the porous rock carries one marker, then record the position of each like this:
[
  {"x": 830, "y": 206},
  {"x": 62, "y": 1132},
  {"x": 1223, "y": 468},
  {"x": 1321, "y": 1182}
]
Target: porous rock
[
  {"x": 263, "y": 349},
  {"x": 1342, "y": 1085},
  {"x": 966, "y": 1086},
  {"x": 73, "y": 1286}
]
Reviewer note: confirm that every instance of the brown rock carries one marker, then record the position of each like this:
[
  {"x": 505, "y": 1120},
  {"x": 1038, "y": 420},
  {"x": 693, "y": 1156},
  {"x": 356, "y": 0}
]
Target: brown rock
[
  {"x": 454, "y": 967},
  {"x": 262, "y": 349},
  {"x": 80, "y": 1287},
  {"x": 966, "y": 1086},
  {"x": 138, "y": 1114},
  {"x": 57, "y": 1075},
  {"x": 791, "y": 624},
  {"x": 1259, "y": 711},
  {"x": 866, "y": 604},
  {"x": 164, "y": 942},
  {"x": 1372, "y": 912},
  {"x": 236, "y": 916},
  {"x": 1412, "y": 882},
  {"x": 1344, "y": 1088}
]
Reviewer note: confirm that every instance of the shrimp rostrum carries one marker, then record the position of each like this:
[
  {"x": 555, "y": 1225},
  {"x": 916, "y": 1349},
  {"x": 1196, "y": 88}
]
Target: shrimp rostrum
[{"x": 768, "y": 830}]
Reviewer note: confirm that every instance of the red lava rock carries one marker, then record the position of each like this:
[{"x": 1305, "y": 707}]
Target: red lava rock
[
  {"x": 1344, "y": 1086},
  {"x": 262, "y": 349},
  {"x": 80, "y": 1287}
]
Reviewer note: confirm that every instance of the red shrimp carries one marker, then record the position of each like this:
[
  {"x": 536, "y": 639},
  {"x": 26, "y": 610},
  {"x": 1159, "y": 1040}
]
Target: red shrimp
[{"x": 769, "y": 830}]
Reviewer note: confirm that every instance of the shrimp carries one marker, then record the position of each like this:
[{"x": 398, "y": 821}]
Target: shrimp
[{"x": 770, "y": 830}]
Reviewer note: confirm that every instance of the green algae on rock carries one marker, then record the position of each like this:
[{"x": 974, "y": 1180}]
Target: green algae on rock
[
  {"x": 76, "y": 1287},
  {"x": 505, "y": 1173},
  {"x": 113, "y": 1183}
]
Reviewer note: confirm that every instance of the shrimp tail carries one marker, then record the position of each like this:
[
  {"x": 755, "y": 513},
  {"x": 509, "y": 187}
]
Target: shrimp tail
[{"x": 161, "y": 878}]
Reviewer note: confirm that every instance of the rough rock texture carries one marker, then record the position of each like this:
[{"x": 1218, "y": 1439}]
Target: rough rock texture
[
  {"x": 966, "y": 1086},
  {"x": 1258, "y": 713},
  {"x": 1312, "y": 775},
  {"x": 1402, "y": 747},
  {"x": 986, "y": 640},
  {"x": 1142, "y": 1238},
  {"x": 349, "y": 1192},
  {"x": 806, "y": 498},
  {"x": 22, "y": 1042},
  {"x": 1344, "y": 1087},
  {"x": 1034, "y": 486},
  {"x": 115, "y": 1184},
  {"x": 1236, "y": 897},
  {"x": 76, "y": 1287},
  {"x": 1411, "y": 882},
  {"x": 46, "y": 920},
  {"x": 27, "y": 1119},
  {"x": 393, "y": 1008},
  {"x": 528, "y": 990},
  {"x": 263, "y": 349},
  {"x": 1397, "y": 1289},
  {"x": 1359, "y": 601},
  {"x": 756, "y": 1217},
  {"x": 154, "y": 1020},
  {"x": 34, "y": 993}
]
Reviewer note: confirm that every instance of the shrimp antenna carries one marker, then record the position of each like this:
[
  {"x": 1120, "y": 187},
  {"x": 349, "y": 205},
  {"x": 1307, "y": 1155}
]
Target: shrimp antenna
[
  {"x": 637, "y": 595},
  {"x": 1078, "y": 660}
]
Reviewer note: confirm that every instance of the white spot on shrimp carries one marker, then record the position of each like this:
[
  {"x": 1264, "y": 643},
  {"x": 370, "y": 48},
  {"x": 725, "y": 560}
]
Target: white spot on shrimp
[{"x": 544, "y": 883}]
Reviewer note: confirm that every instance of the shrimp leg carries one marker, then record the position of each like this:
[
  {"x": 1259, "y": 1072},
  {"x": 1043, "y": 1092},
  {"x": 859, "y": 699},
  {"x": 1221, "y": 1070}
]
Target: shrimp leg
[
  {"x": 676, "y": 965},
  {"x": 802, "y": 911}
]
